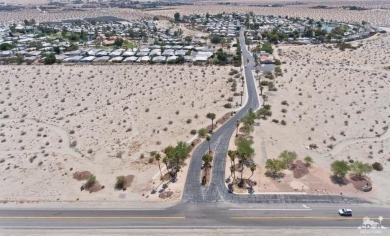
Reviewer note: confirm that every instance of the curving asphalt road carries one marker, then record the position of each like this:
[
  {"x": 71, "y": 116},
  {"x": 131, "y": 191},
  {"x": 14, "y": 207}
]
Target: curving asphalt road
[{"x": 217, "y": 191}]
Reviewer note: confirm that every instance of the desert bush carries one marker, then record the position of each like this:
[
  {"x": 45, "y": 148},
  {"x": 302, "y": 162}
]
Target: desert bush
[
  {"x": 202, "y": 132},
  {"x": 227, "y": 105},
  {"x": 377, "y": 166},
  {"x": 91, "y": 180},
  {"x": 120, "y": 182}
]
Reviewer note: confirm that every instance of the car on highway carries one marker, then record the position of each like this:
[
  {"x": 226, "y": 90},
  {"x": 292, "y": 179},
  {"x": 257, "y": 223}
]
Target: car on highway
[{"x": 345, "y": 212}]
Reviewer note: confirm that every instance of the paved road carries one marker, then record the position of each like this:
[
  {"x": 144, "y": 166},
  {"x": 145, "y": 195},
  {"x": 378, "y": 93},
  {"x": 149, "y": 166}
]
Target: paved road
[
  {"x": 193, "y": 216},
  {"x": 217, "y": 191},
  {"x": 193, "y": 191}
]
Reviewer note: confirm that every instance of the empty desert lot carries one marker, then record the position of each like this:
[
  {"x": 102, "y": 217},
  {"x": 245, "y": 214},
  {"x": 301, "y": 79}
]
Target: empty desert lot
[{"x": 56, "y": 120}]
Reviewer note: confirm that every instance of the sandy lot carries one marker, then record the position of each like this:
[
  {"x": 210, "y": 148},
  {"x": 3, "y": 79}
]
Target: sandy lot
[
  {"x": 336, "y": 100},
  {"x": 56, "y": 120}
]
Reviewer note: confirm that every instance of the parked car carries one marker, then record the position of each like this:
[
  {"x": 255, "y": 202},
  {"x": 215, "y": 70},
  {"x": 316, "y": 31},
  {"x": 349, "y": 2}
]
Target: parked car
[{"x": 345, "y": 212}]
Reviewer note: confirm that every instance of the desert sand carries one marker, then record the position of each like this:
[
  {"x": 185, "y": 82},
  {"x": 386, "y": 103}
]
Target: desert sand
[
  {"x": 337, "y": 100},
  {"x": 56, "y": 120}
]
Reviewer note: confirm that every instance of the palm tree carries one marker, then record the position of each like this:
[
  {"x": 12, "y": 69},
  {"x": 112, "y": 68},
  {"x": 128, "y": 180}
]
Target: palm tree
[
  {"x": 232, "y": 155},
  {"x": 208, "y": 140},
  {"x": 241, "y": 94},
  {"x": 233, "y": 171},
  {"x": 211, "y": 116},
  {"x": 237, "y": 125},
  {"x": 165, "y": 161},
  {"x": 158, "y": 157},
  {"x": 288, "y": 157},
  {"x": 261, "y": 91},
  {"x": 252, "y": 168},
  {"x": 207, "y": 159},
  {"x": 265, "y": 98},
  {"x": 274, "y": 166},
  {"x": 339, "y": 169},
  {"x": 244, "y": 152},
  {"x": 359, "y": 169}
]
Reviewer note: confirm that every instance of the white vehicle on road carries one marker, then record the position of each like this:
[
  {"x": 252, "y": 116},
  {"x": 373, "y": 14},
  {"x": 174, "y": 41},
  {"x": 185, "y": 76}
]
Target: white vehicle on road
[{"x": 345, "y": 212}]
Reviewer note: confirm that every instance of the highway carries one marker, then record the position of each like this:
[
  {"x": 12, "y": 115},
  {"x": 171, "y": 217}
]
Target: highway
[{"x": 193, "y": 216}]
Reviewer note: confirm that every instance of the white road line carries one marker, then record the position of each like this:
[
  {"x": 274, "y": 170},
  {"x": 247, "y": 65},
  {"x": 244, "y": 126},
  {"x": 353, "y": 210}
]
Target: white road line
[{"x": 265, "y": 209}]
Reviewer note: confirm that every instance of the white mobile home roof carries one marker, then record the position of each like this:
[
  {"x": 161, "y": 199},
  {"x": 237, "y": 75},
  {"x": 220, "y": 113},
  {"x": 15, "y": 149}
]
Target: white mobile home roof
[
  {"x": 130, "y": 59},
  {"x": 88, "y": 59},
  {"x": 102, "y": 59},
  {"x": 117, "y": 59},
  {"x": 159, "y": 59},
  {"x": 128, "y": 53}
]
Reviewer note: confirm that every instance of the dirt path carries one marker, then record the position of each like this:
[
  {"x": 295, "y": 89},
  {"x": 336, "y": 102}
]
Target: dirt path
[
  {"x": 65, "y": 149},
  {"x": 349, "y": 141}
]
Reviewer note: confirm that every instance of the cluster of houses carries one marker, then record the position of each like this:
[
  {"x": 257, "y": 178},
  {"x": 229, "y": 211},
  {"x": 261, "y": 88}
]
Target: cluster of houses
[
  {"x": 153, "y": 53},
  {"x": 98, "y": 43},
  {"x": 225, "y": 27}
]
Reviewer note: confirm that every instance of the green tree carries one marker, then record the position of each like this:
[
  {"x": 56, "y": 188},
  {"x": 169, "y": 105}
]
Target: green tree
[
  {"x": 119, "y": 42},
  {"x": 207, "y": 159},
  {"x": 237, "y": 125},
  {"x": 177, "y": 16},
  {"x": 263, "y": 112},
  {"x": 202, "y": 132},
  {"x": 267, "y": 47},
  {"x": 6, "y": 46},
  {"x": 158, "y": 157},
  {"x": 359, "y": 169},
  {"x": 232, "y": 155},
  {"x": 244, "y": 153},
  {"x": 57, "y": 50},
  {"x": 215, "y": 39},
  {"x": 208, "y": 138},
  {"x": 274, "y": 166},
  {"x": 340, "y": 169},
  {"x": 188, "y": 39},
  {"x": 252, "y": 168},
  {"x": 211, "y": 116},
  {"x": 233, "y": 171},
  {"x": 288, "y": 157},
  {"x": 50, "y": 59}
]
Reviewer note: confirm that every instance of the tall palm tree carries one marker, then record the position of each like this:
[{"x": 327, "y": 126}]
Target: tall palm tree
[
  {"x": 265, "y": 98},
  {"x": 211, "y": 116},
  {"x": 241, "y": 94},
  {"x": 208, "y": 138},
  {"x": 158, "y": 157},
  {"x": 237, "y": 125},
  {"x": 165, "y": 161},
  {"x": 233, "y": 172},
  {"x": 244, "y": 152},
  {"x": 252, "y": 168},
  {"x": 232, "y": 155},
  {"x": 207, "y": 159}
]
